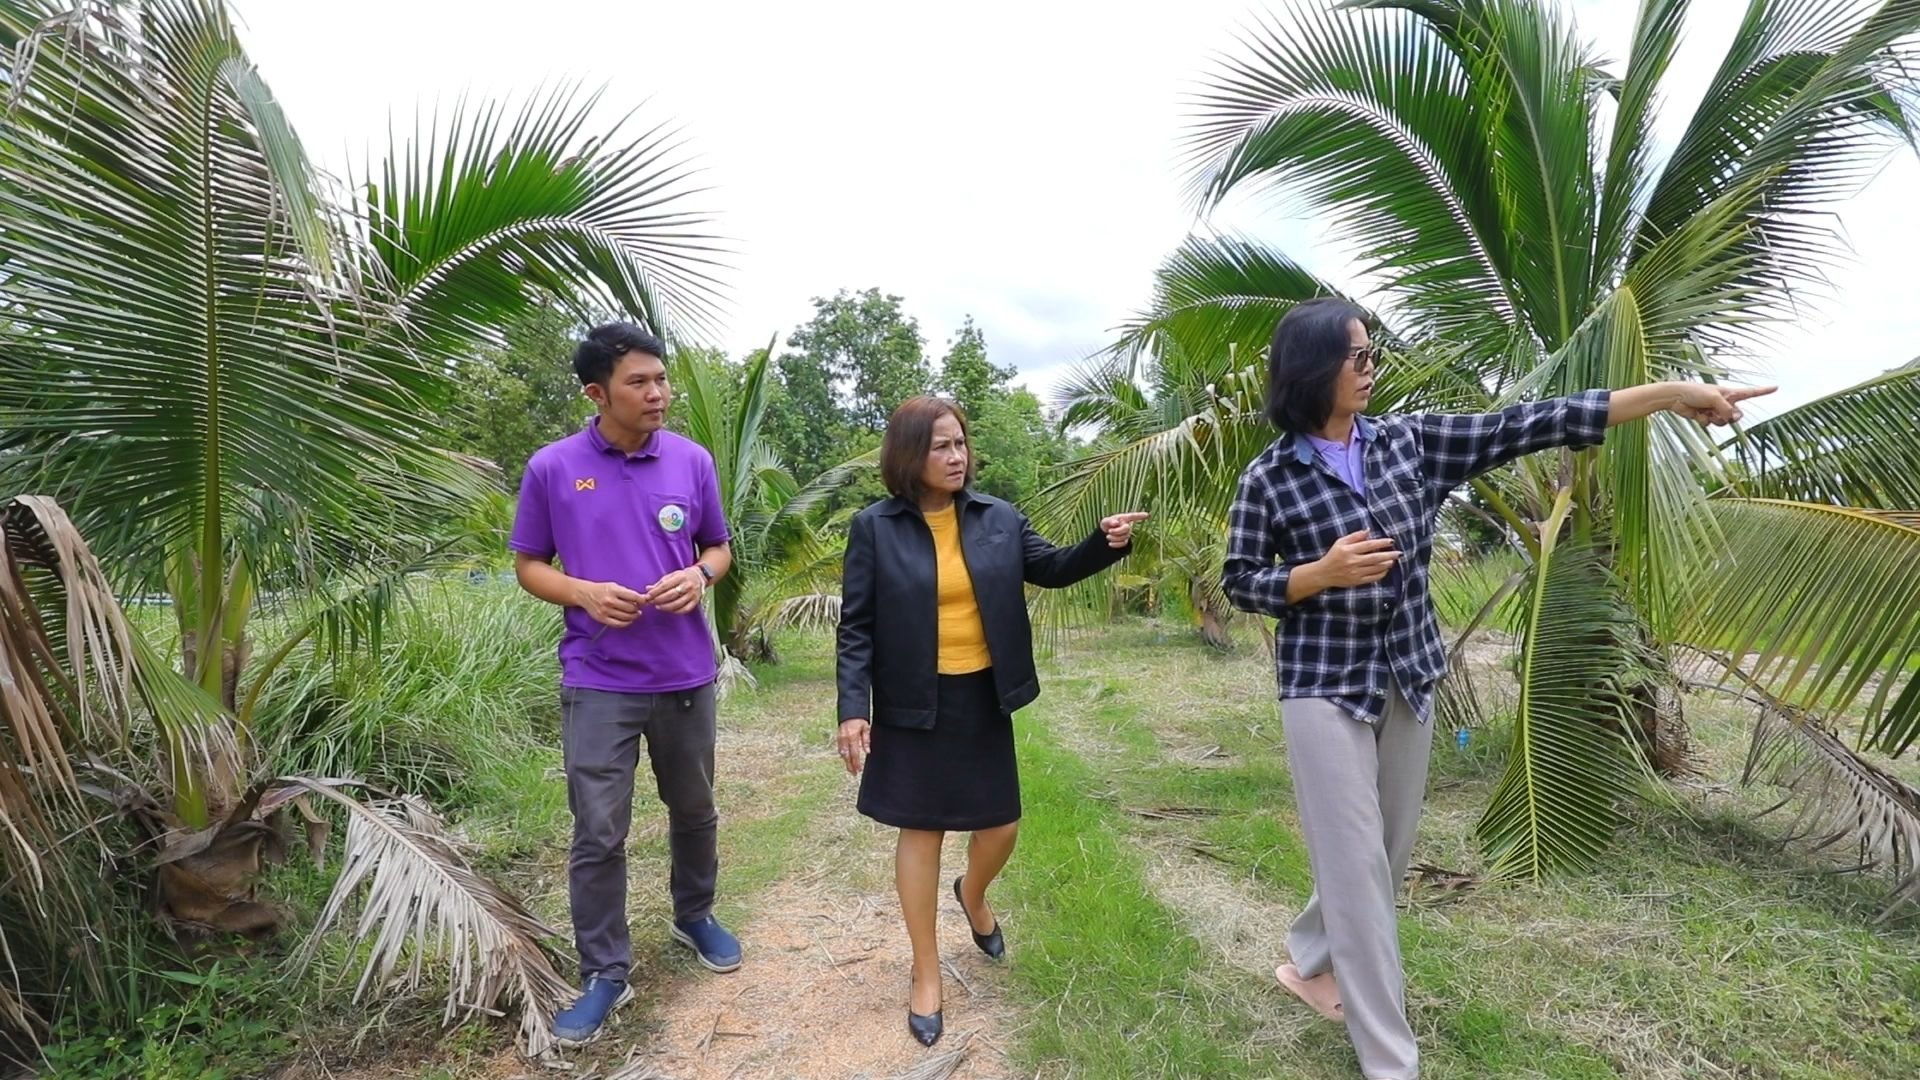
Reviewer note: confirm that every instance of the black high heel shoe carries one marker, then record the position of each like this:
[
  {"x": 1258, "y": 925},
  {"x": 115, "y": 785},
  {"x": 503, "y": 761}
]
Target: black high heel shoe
[
  {"x": 990, "y": 942},
  {"x": 926, "y": 1029}
]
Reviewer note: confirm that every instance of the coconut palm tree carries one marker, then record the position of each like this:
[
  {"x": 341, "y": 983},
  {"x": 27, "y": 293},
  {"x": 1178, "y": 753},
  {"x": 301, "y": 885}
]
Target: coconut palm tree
[
  {"x": 224, "y": 367},
  {"x": 1522, "y": 233},
  {"x": 786, "y": 566}
]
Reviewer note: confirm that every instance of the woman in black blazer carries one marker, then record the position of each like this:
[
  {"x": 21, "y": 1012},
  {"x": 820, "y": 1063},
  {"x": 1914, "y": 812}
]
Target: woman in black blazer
[{"x": 935, "y": 655}]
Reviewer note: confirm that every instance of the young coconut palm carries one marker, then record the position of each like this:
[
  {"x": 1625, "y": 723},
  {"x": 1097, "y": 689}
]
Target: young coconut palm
[
  {"x": 226, "y": 372},
  {"x": 1526, "y": 235}
]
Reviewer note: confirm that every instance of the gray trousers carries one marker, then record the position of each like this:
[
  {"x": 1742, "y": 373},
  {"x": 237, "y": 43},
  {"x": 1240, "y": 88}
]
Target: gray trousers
[
  {"x": 600, "y": 736},
  {"x": 1359, "y": 788}
]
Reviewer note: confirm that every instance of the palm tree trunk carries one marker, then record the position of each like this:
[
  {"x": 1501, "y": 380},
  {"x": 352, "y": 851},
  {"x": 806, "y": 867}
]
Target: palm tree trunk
[{"x": 1658, "y": 708}]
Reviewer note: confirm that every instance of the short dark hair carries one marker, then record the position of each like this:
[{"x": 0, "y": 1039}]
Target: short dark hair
[
  {"x": 1309, "y": 348},
  {"x": 909, "y": 436},
  {"x": 595, "y": 357}
]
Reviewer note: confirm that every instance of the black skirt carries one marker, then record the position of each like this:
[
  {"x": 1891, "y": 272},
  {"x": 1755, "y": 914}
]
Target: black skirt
[{"x": 958, "y": 776}]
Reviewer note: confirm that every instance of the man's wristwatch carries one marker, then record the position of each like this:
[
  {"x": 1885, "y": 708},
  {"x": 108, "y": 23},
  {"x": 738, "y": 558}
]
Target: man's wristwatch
[{"x": 706, "y": 573}]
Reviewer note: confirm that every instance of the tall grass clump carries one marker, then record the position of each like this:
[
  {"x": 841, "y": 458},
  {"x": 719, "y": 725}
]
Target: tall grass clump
[{"x": 460, "y": 687}]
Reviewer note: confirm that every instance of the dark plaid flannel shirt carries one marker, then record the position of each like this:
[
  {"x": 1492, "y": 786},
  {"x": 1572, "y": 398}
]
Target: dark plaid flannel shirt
[{"x": 1346, "y": 643}]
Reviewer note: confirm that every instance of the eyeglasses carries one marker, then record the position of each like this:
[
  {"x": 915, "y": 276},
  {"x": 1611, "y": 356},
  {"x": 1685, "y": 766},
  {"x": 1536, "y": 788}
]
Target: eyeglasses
[{"x": 1365, "y": 359}]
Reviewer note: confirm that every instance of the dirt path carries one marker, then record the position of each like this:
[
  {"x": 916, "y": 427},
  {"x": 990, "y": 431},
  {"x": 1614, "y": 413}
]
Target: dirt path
[
  {"x": 823, "y": 994},
  {"x": 824, "y": 988}
]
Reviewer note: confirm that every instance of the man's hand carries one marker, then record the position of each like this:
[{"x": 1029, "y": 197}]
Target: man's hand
[
  {"x": 678, "y": 592},
  {"x": 610, "y": 603}
]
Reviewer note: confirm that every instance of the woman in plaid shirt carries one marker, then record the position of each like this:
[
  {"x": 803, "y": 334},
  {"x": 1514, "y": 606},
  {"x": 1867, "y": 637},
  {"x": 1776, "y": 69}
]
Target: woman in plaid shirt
[{"x": 1331, "y": 534}]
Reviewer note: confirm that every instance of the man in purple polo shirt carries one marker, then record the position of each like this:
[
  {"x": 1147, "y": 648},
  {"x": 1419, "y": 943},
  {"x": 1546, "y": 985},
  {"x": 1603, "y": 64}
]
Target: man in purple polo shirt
[{"x": 633, "y": 512}]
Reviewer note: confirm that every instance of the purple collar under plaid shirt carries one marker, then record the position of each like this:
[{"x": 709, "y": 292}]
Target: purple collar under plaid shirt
[{"x": 1346, "y": 643}]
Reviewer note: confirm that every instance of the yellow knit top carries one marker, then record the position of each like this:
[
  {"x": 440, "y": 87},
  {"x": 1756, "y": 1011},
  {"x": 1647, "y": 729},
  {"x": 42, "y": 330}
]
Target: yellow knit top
[{"x": 963, "y": 640}]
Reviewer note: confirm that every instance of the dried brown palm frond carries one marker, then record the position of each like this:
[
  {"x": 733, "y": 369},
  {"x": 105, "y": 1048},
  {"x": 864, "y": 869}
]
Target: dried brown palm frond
[
  {"x": 65, "y": 678},
  {"x": 53, "y": 657},
  {"x": 814, "y": 611},
  {"x": 1843, "y": 797},
  {"x": 423, "y": 901},
  {"x": 942, "y": 1065}
]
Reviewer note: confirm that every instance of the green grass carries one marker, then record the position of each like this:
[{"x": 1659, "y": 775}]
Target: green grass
[
  {"x": 1460, "y": 590},
  {"x": 1702, "y": 948},
  {"x": 1158, "y": 810},
  {"x": 1117, "y": 987},
  {"x": 458, "y": 696}
]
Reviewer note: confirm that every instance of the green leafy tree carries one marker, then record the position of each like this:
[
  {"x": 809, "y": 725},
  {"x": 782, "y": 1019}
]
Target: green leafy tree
[
  {"x": 1011, "y": 435},
  {"x": 807, "y": 424},
  {"x": 784, "y": 565},
  {"x": 967, "y": 376},
  {"x": 1016, "y": 445},
  {"x": 845, "y": 371},
  {"x": 516, "y": 396}
]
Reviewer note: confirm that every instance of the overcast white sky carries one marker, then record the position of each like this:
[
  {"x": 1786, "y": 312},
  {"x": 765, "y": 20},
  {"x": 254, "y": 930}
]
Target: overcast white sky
[{"x": 1010, "y": 160}]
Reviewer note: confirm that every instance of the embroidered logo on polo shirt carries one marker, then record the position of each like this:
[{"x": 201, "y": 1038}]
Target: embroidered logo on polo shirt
[
  {"x": 673, "y": 518},
  {"x": 583, "y": 485}
]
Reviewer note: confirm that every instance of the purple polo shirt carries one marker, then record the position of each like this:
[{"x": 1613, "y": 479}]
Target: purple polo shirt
[{"x": 632, "y": 519}]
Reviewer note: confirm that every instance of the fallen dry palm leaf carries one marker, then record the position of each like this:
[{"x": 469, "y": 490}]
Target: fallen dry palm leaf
[
  {"x": 1173, "y": 813},
  {"x": 1843, "y": 797},
  {"x": 638, "y": 1069},
  {"x": 1425, "y": 881},
  {"x": 424, "y": 901}
]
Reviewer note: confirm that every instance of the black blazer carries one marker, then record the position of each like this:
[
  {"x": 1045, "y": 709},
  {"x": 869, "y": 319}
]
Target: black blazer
[{"x": 890, "y": 611}]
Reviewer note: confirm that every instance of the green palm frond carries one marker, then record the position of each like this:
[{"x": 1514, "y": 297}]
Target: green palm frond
[
  {"x": 468, "y": 215},
  {"x": 1187, "y": 468},
  {"x": 1215, "y": 296},
  {"x": 1557, "y": 804},
  {"x": 1371, "y": 118},
  {"x": 1530, "y": 85},
  {"x": 181, "y": 301},
  {"x": 1854, "y": 447},
  {"x": 1804, "y": 108},
  {"x": 1630, "y": 170},
  {"x": 1824, "y": 603},
  {"x": 776, "y": 547},
  {"x": 810, "y": 498},
  {"x": 1104, "y": 390},
  {"x": 1651, "y": 472}
]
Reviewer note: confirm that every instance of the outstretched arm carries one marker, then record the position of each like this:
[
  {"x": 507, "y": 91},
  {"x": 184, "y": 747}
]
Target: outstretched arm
[
  {"x": 1456, "y": 448},
  {"x": 1053, "y": 567},
  {"x": 1695, "y": 401}
]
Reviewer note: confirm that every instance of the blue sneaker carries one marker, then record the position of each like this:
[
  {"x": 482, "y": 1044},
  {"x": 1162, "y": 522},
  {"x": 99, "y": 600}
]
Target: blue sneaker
[
  {"x": 717, "y": 949},
  {"x": 579, "y": 1023}
]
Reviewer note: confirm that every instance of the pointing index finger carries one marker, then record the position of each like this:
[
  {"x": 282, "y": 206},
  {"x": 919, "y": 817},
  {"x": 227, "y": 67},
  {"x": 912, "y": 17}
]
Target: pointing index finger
[{"x": 1742, "y": 393}]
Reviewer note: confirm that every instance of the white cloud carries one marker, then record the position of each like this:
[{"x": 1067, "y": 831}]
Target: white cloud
[{"x": 1010, "y": 160}]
